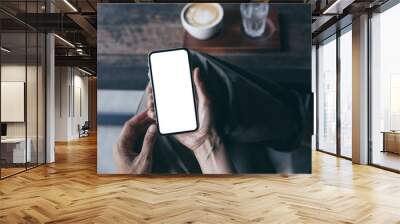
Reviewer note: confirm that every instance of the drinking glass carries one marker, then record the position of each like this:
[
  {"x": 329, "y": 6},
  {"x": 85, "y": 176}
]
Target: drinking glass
[{"x": 254, "y": 18}]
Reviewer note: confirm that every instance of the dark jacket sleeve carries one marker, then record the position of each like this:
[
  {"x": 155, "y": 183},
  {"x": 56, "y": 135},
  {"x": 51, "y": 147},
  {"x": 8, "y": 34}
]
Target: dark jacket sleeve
[{"x": 250, "y": 108}]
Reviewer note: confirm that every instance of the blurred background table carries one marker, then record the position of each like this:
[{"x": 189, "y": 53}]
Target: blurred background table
[
  {"x": 232, "y": 37},
  {"x": 391, "y": 141}
]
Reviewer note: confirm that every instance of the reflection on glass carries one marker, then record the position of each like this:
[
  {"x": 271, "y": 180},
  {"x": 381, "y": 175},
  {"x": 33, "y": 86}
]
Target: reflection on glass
[
  {"x": 22, "y": 92},
  {"x": 394, "y": 102},
  {"x": 41, "y": 98},
  {"x": 346, "y": 94},
  {"x": 385, "y": 89},
  {"x": 31, "y": 101},
  {"x": 327, "y": 97},
  {"x": 13, "y": 86}
]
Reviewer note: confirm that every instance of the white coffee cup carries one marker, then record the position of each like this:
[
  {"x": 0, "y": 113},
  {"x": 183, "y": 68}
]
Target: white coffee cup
[{"x": 202, "y": 20}]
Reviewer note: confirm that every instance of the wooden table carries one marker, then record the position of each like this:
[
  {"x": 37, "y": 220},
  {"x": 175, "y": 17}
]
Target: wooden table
[
  {"x": 391, "y": 141},
  {"x": 232, "y": 37},
  {"x": 126, "y": 39}
]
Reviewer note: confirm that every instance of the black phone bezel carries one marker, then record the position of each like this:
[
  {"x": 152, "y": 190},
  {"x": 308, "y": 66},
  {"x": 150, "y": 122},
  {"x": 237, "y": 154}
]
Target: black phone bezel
[{"x": 193, "y": 89}]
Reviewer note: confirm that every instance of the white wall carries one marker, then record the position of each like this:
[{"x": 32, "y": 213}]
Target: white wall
[
  {"x": 12, "y": 101},
  {"x": 33, "y": 126},
  {"x": 17, "y": 73},
  {"x": 71, "y": 87},
  {"x": 14, "y": 73},
  {"x": 81, "y": 84},
  {"x": 62, "y": 81}
]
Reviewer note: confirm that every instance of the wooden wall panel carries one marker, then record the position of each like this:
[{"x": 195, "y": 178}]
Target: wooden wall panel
[{"x": 92, "y": 82}]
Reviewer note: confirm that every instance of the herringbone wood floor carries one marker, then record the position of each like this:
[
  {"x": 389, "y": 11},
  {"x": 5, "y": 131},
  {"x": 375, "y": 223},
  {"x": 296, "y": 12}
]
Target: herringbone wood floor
[{"x": 70, "y": 191}]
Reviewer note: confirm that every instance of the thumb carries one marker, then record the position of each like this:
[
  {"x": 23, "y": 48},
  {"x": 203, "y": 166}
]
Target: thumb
[
  {"x": 200, "y": 87},
  {"x": 149, "y": 140}
]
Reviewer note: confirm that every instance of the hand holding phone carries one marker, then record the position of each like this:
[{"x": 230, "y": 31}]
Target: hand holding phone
[
  {"x": 173, "y": 92},
  {"x": 205, "y": 129},
  {"x": 205, "y": 143}
]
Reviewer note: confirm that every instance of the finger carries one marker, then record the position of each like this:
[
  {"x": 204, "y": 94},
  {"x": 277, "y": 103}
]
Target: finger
[
  {"x": 149, "y": 140},
  {"x": 150, "y": 102},
  {"x": 149, "y": 92},
  {"x": 151, "y": 114},
  {"x": 200, "y": 87},
  {"x": 131, "y": 127},
  {"x": 149, "y": 88},
  {"x": 138, "y": 120},
  {"x": 150, "y": 108}
]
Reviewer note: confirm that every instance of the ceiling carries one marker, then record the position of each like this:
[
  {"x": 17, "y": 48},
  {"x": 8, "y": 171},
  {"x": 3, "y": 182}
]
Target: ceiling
[
  {"x": 74, "y": 22},
  {"x": 332, "y": 15}
]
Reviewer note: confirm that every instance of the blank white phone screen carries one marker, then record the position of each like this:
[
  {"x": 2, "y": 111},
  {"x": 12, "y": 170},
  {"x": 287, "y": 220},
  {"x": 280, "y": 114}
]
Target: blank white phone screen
[{"x": 173, "y": 91}]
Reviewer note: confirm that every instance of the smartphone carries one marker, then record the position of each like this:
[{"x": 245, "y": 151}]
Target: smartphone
[{"x": 173, "y": 91}]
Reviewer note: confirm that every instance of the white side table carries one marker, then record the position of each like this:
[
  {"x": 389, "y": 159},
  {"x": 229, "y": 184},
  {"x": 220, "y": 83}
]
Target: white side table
[{"x": 19, "y": 153}]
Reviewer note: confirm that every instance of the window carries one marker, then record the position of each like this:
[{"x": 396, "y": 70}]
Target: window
[
  {"x": 334, "y": 138},
  {"x": 385, "y": 89},
  {"x": 346, "y": 93},
  {"x": 327, "y": 96}
]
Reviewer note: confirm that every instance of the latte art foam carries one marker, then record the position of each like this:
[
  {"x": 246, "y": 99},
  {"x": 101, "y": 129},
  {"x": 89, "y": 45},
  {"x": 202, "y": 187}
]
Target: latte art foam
[{"x": 202, "y": 14}]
